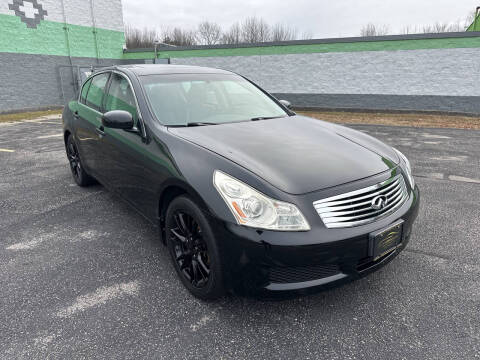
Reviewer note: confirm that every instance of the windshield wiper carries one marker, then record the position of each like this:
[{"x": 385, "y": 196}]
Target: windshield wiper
[
  {"x": 266, "y": 118},
  {"x": 199, "y": 123}
]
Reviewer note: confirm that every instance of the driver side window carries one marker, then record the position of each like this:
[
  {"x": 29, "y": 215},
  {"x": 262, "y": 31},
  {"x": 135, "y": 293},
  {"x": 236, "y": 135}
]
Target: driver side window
[
  {"x": 120, "y": 96},
  {"x": 96, "y": 91}
]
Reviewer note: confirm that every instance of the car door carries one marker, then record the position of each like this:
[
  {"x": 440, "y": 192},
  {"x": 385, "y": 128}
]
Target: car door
[
  {"x": 125, "y": 153},
  {"x": 88, "y": 122}
]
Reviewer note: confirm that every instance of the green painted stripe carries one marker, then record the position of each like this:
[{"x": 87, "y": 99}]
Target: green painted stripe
[
  {"x": 142, "y": 55},
  {"x": 475, "y": 25},
  {"x": 390, "y": 45},
  {"x": 49, "y": 39}
]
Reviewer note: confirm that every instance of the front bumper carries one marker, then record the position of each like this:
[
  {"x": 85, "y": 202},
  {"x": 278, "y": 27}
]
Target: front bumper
[{"x": 270, "y": 262}]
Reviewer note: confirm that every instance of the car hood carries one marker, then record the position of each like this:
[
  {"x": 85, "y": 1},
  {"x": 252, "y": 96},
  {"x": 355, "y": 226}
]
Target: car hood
[{"x": 295, "y": 154}]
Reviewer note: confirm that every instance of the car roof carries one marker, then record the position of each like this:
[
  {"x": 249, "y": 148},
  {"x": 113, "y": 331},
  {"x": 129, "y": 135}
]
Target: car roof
[{"x": 158, "y": 69}]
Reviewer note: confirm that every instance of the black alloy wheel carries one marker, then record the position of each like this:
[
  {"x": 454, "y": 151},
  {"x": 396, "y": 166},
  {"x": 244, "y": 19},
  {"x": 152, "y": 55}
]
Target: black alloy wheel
[
  {"x": 191, "y": 252},
  {"x": 193, "y": 249},
  {"x": 79, "y": 174}
]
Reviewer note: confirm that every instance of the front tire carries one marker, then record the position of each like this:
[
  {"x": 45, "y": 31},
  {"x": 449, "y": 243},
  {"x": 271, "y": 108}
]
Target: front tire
[
  {"x": 193, "y": 249},
  {"x": 78, "y": 172}
]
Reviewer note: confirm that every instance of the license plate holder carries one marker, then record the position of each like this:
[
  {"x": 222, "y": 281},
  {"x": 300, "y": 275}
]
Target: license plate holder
[{"x": 384, "y": 241}]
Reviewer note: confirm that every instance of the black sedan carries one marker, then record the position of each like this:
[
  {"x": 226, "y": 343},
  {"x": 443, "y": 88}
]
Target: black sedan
[{"x": 248, "y": 196}]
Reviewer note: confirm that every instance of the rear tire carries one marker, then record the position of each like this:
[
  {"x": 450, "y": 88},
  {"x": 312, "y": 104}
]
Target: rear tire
[
  {"x": 78, "y": 172},
  {"x": 193, "y": 249}
]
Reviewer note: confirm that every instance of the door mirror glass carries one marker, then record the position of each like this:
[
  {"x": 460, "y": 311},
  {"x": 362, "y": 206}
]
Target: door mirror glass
[
  {"x": 285, "y": 103},
  {"x": 118, "y": 119}
]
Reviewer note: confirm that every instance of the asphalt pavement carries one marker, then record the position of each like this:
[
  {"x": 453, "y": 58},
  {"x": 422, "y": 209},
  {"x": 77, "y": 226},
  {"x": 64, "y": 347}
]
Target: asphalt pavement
[{"x": 84, "y": 276}]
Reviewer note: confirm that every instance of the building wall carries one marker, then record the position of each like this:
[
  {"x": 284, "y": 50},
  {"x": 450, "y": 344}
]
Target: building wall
[
  {"x": 413, "y": 72},
  {"x": 426, "y": 79},
  {"x": 403, "y": 72},
  {"x": 39, "y": 38},
  {"x": 40, "y": 41},
  {"x": 32, "y": 82}
]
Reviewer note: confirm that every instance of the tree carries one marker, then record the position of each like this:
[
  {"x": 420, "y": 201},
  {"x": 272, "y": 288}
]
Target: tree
[
  {"x": 233, "y": 35},
  {"x": 458, "y": 26},
  {"x": 255, "y": 30},
  {"x": 251, "y": 30},
  {"x": 140, "y": 38},
  {"x": 179, "y": 37},
  {"x": 306, "y": 35},
  {"x": 283, "y": 32},
  {"x": 374, "y": 30},
  {"x": 436, "y": 28},
  {"x": 209, "y": 33}
]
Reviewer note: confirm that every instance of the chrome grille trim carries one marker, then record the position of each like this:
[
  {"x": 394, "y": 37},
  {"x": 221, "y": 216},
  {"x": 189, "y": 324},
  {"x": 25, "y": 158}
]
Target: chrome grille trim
[{"x": 354, "y": 208}]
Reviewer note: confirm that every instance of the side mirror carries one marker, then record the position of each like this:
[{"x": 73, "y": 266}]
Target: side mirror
[
  {"x": 285, "y": 103},
  {"x": 118, "y": 119}
]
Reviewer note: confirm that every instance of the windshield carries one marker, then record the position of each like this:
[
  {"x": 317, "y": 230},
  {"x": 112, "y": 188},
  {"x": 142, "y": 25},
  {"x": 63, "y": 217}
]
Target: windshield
[{"x": 182, "y": 99}]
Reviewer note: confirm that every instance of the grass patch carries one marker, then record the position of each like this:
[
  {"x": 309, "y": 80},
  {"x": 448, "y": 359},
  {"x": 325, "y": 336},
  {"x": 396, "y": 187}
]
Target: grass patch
[
  {"x": 28, "y": 115},
  {"x": 415, "y": 120}
]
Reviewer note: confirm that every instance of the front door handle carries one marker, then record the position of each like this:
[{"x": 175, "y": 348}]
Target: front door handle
[
  {"x": 75, "y": 115},
  {"x": 100, "y": 131}
]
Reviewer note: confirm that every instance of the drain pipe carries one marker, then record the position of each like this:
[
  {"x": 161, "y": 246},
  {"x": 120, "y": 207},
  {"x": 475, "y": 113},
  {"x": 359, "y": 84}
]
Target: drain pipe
[
  {"x": 95, "y": 39},
  {"x": 67, "y": 41}
]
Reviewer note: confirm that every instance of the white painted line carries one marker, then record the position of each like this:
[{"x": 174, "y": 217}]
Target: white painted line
[
  {"x": 34, "y": 240},
  {"x": 43, "y": 341},
  {"x": 37, "y": 120},
  {"x": 464, "y": 179},
  {"x": 7, "y": 150},
  {"x": 450, "y": 158},
  {"x": 100, "y": 297},
  {"x": 204, "y": 320},
  {"x": 43, "y": 118},
  {"x": 49, "y": 136},
  {"x": 25, "y": 245},
  {"x": 432, "y": 142},
  {"x": 437, "y": 176},
  {"x": 89, "y": 235},
  {"x": 433, "y": 136}
]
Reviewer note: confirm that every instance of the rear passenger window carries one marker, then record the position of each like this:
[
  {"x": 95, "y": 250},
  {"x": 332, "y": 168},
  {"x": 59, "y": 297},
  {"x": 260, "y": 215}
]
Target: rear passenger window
[
  {"x": 97, "y": 91},
  {"x": 83, "y": 95}
]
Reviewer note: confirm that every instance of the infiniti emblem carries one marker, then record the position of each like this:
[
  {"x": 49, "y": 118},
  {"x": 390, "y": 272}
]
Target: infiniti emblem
[{"x": 379, "y": 202}]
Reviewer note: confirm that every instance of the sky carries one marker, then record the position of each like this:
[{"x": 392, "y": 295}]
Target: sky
[{"x": 320, "y": 18}]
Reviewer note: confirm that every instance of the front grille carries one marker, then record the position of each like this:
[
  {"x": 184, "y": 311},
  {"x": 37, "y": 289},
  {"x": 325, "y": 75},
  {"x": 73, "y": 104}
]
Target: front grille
[
  {"x": 284, "y": 275},
  {"x": 355, "y": 208}
]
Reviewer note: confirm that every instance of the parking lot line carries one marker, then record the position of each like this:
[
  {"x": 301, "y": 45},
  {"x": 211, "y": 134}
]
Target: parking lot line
[
  {"x": 7, "y": 150},
  {"x": 100, "y": 297},
  {"x": 49, "y": 136},
  {"x": 24, "y": 245},
  {"x": 464, "y": 179}
]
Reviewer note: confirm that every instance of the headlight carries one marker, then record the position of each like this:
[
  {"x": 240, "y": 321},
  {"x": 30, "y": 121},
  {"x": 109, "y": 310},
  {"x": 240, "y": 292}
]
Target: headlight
[
  {"x": 252, "y": 208},
  {"x": 408, "y": 168}
]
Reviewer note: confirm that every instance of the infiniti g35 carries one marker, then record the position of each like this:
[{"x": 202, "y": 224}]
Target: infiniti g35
[{"x": 248, "y": 196}]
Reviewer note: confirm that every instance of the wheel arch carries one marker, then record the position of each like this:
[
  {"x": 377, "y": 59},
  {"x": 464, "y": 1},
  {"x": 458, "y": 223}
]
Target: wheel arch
[
  {"x": 66, "y": 135},
  {"x": 170, "y": 191}
]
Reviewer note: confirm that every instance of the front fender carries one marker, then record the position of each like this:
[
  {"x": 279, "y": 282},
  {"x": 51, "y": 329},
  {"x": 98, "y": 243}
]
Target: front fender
[{"x": 196, "y": 165}]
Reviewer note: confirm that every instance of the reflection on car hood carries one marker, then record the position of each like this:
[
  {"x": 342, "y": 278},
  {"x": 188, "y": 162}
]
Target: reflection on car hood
[{"x": 296, "y": 154}]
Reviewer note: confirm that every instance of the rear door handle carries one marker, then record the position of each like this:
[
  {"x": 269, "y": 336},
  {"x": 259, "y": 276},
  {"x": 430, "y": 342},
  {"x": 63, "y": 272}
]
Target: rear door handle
[
  {"x": 75, "y": 115},
  {"x": 100, "y": 131}
]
